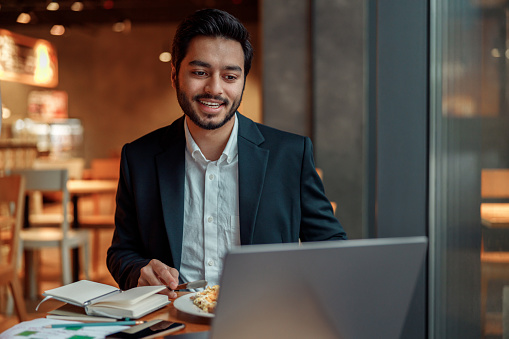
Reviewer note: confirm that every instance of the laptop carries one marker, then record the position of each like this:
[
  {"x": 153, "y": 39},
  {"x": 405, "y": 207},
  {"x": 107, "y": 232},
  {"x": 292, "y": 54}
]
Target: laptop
[{"x": 332, "y": 289}]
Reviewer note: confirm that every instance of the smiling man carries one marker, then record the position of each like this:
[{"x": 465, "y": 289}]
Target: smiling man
[
  {"x": 213, "y": 179},
  {"x": 222, "y": 77}
]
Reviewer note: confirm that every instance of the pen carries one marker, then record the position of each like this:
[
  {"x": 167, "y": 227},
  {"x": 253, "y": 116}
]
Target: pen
[{"x": 113, "y": 323}]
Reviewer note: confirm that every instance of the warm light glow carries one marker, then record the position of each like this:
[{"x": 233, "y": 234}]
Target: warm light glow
[
  {"x": 6, "y": 113},
  {"x": 77, "y": 6},
  {"x": 118, "y": 26},
  {"x": 165, "y": 57},
  {"x": 9, "y": 50},
  {"x": 122, "y": 26},
  {"x": 108, "y": 4},
  {"x": 53, "y": 6},
  {"x": 27, "y": 60},
  {"x": 495, "y": 53},
  {"x": 57, "y": 30},
  {"x": 23, "y": 18},
  {"x": 43, "y": 72}
]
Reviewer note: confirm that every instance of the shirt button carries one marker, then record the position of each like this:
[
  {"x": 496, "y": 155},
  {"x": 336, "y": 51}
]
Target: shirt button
[
  {"x": 209, "y": 219},
  {"x": 211, "y": 263},
  {"x": 211, "y": 177}
]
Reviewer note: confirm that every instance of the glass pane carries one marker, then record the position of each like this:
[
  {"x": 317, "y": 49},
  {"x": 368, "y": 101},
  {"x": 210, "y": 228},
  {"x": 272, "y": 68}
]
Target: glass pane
[
  {"x": 495, "y": 171},
  {"x": 455, "y": 167}
]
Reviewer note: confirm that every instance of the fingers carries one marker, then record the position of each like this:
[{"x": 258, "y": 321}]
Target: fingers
[
  {"x": 156, "y": 273},
  {"x": 170, "y": 293},
  {"x": 173, "y": 285},
  {"x": 175, "y": 275}
]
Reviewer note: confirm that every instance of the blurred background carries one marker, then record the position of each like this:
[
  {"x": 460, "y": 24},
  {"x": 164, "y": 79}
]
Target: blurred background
[{"x": 405, "y": 102}]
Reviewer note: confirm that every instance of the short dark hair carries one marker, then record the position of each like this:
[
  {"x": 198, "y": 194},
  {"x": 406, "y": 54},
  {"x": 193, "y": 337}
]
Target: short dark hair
[{"x": 212, "y": 23}]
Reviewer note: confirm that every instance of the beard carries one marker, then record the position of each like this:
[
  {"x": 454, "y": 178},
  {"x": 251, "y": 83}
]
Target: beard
[{"x": 185, "y": 104}]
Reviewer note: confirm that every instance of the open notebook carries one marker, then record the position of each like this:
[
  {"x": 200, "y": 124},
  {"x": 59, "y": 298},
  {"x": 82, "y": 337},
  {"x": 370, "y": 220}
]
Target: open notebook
[
  {"x": 351, "y": 289},
  {"x": 108, "y": 301}
]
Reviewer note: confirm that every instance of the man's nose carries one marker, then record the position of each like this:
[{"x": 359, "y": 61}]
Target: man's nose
[{"x": 214, "y": 85}]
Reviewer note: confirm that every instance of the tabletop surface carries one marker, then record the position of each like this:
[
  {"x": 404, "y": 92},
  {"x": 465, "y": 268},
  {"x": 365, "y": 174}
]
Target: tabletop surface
[
  {"x": 91, "y": 186},
  {"x": 169, "y": 312}
]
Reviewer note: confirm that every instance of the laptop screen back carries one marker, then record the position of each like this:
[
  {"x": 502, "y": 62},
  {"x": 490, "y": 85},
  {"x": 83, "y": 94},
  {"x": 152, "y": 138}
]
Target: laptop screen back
[{"x": 334, "y": 289}]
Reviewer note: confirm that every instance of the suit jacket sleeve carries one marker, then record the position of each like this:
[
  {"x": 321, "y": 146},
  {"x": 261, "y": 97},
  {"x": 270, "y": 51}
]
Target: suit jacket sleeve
[
  {"x": 318, "y": 221},
  {"x": 124, "y": 257}
]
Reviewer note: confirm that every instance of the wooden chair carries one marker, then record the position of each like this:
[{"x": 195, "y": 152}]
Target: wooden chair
[
  {"x": 75, "y": 168},
  {"x": 12, "y": 195},
  {"x": 494, "y": 264},
  {"x": 103, "y": 211},
  {"x": 104, "y": 169},
  {"x": 64, "y": 238}
]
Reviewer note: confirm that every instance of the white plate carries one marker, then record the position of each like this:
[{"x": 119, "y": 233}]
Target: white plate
[{"x": 185, "y": 304}]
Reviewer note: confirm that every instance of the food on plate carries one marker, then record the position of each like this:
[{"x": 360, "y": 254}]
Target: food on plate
[{"x": 207, "y": 299}]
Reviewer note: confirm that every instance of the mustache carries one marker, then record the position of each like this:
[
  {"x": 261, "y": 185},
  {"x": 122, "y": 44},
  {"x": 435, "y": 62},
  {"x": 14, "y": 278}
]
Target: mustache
[{"x": 210, "y": 96}]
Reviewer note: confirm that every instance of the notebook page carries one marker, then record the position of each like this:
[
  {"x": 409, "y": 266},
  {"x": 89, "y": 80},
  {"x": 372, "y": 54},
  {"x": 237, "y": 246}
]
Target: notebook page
[
  {"x": 80, "y": 292},
  {"x": 131, "y": 296}
]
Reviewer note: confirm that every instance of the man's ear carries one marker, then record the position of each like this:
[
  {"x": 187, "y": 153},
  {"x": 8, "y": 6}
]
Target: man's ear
[{"x": 173, "y": 76}]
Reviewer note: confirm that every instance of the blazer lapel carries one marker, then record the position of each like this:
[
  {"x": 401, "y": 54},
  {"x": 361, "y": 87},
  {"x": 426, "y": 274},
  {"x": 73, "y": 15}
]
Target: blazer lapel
[
  {"x": 252, "y": 167},
  {"x": 171, "y": 171}
]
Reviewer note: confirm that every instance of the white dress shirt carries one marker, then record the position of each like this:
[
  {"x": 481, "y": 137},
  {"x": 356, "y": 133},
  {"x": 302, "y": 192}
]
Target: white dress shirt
[{"x": 211, "y": 210}]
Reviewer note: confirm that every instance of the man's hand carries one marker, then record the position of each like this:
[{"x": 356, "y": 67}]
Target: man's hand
[{"x": 156, "y": 273}]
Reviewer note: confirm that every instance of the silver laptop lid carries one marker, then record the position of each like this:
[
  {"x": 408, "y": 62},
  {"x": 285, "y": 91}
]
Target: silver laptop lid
[{"x": 333, "y": 289}]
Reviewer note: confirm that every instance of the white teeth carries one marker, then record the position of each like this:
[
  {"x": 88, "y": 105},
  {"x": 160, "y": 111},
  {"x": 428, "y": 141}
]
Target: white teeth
[{"x": 210, "y": 104}]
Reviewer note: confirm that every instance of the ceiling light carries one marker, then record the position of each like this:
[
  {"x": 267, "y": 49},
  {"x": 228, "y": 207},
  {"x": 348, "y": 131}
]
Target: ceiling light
[
  {"x": 118, "y": 26},
  {"x": 165, "y": 56},
  {"x": 77, "y": 6},
  {"x": 122, "y": 26},
  {"x": 5, "y": 113},
  {"x": 495, "y": 53},
  {"x": 57, "y": 30},
  {"x": 23, "y": 18},
  {"x": 53, "y": 6}
]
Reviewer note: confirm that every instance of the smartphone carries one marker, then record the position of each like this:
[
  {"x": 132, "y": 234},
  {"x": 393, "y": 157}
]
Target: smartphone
[{"x": 150, "y": 329}]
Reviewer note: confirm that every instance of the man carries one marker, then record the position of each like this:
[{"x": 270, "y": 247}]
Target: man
[{"x": 213, "y": 179}]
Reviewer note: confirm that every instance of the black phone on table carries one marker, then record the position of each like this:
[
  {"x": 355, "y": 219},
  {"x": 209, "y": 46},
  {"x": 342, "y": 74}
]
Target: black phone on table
[{"x": 149, "y": 329}]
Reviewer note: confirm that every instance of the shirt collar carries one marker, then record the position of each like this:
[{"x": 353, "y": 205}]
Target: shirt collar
[{"x": 229, "y": 152}]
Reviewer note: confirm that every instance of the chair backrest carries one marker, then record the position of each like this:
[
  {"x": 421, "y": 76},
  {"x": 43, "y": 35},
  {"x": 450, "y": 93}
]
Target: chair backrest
[
  {"x": 74, "y": 166},
  {"x": 105, "y": 168},
  {"x": 12, "y": 202},
  {"x": 50, "y": 180},
  {"x": 495, "y": 183}
]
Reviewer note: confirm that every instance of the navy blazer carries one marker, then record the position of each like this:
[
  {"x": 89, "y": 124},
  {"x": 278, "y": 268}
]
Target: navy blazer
[{"x": 281, "y": 196}]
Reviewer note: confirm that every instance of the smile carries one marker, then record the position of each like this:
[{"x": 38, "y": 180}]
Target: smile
[{"x": 210, "y": 104}]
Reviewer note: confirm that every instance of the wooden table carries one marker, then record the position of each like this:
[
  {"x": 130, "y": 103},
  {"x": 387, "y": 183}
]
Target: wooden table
[
  {"x": 495, "y": 215},
  {"x": 77, "y": 189},
  {"x": 83, "y": 187},
  {"x": 193, "y": 323},
  {"x": 169, "y": 312}
]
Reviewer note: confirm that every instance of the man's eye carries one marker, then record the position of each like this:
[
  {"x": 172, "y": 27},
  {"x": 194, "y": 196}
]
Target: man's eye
[
  {"x": 199, "y": 73},
  {"x": 231, "y": 77}
]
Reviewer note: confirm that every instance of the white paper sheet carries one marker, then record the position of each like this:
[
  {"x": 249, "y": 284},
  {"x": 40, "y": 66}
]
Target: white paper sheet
[{"x": 35, "y": 329}]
